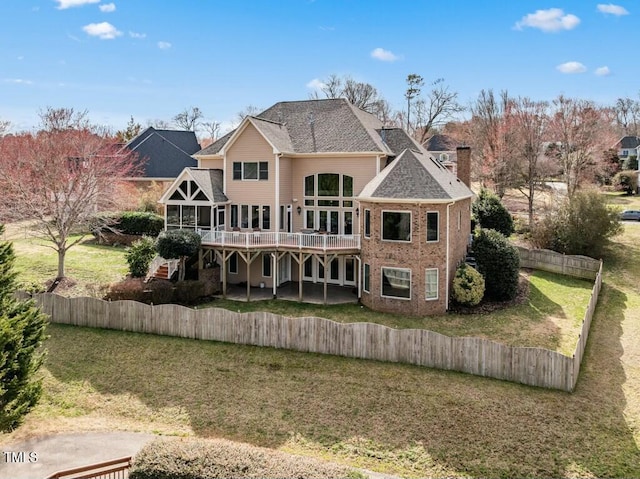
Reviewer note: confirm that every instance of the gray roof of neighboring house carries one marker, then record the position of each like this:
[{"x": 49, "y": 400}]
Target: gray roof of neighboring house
[
  {"x": 210, "y": 182},
  {"x": 166, "y": 152},
  {"x": 441, "y": 143},
  {"x": 397, "y": 140},
  {"x": 315, "y": 126},
  {"x": 629, "y": 142},
  {"x": 415, "y": 175}
]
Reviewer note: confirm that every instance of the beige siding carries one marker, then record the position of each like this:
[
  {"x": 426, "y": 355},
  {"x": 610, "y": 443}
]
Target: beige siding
[
  {"x": 286, "y": 186},
  {"x": 217, "y": 164},
  {"x": 362, "y": 169},
  {"x": 251, "y": 146}
]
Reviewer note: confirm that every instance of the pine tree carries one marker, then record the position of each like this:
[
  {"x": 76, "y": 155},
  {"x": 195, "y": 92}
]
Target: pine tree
[{"x": 22, "y": 331}]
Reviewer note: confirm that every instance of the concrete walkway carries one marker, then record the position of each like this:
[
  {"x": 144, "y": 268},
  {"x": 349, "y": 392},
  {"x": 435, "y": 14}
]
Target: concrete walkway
[{"x": 51, "y": 454}]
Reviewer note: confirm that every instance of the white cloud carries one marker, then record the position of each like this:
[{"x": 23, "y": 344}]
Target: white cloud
[
  {"x": 107, "y": 7},
  {"x": 612, "y": 9},
  {"x": 137, "y": 35},
  {"x": 164, "y": 45},
  {"x": 571, "y": 67},
  {"x": 316, "y": 84},
  {"x": 63, "y": 4},
  {"x": 603, "y": 71},
  {"x": 18, "y": 81},
  {"x": 383, "y": 55},
  {"x": 551, "y": 20},
  {"x": 104, "y": 30}
]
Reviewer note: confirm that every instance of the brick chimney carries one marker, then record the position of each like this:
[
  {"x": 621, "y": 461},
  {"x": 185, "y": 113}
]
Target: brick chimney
[{"x": 464, "y": 164}]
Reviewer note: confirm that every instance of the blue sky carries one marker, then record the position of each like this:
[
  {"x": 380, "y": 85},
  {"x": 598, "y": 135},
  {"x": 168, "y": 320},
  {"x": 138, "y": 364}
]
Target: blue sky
[{"x": 152, "y": 59}]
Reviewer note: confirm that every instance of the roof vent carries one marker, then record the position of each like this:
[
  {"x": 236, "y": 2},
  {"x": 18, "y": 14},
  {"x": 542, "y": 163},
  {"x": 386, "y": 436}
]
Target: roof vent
[{"x": 310, "y": 118}]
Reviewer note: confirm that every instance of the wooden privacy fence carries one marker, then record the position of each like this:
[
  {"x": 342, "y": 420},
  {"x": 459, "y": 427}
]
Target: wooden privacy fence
[
  {"x": 482, "y": 357},
  {"x": 547, "y": 260}
]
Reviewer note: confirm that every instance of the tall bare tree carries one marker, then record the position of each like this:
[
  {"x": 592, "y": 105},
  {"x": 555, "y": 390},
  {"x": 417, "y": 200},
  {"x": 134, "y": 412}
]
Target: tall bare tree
[
  {"x": 627, "y": 111},
  {"x": 493, "y": 141},
  {"x": 189, "y": 118},
  {"x": 529, "y": 122},
  {"x": 439, "y": 106},
  {"x": 414, "y": 86},
  {"x": 60, "y": 119},
  {"x": 582, "y": 133}
]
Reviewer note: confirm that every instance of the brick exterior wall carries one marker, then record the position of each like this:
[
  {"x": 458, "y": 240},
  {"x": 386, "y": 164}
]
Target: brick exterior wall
[{"x": 417, "y": 255}]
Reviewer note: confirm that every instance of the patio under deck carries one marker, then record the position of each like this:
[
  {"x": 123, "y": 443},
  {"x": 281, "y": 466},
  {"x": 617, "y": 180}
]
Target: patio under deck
[{"x": 312, "y": 293}]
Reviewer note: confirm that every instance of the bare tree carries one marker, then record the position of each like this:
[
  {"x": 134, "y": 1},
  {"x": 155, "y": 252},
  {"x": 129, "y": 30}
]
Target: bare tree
[
  {"x": 249, "y": 110},
  {"x": 627, "y": 111},
  {"x": 492, "y": 141},
  {"x": 58, "y": 178},
  {"x": 582, "y": 133},
  {"x": 414, "y": 85},
  {"x": 5, "y": 125},
  {"x": 212, "y": 128},
  {"x": 439, "y": 107},
  {"x": 60, "y": 119},
  {"x": 529, "y": 121},
  {"x": 188, "y": 119},
  {"x": 159, "y": 124}
]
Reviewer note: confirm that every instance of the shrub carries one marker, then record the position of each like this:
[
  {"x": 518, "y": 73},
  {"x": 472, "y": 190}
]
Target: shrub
[
  {"x": 178, "y": 244},
  {"x": 626, "y": 181},
  {"x": 140, "y": 223},
  {"x": 22, "y": 332},
  {"x": 139, "y": 256},
  {"x": 468, "y": 286},
  {"x": 209, "y": 459},
  {"x": 490, "y": 213},
  {"x": 581, "y": 225},
  {"x": 630, "y": 163},
  {"x": 188, "y": 292},
  {"x": 131, "y": 289},
  {"x": 498, "y": 262}
]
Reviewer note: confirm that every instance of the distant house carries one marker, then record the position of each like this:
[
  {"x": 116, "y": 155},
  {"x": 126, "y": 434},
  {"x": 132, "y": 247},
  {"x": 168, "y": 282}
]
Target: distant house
[
  {"x": 627, "y": 146},
  {"x": 164, "y": 153},
  {"x": 318, "y": 191},
  {"x": 443, "y": 149}
]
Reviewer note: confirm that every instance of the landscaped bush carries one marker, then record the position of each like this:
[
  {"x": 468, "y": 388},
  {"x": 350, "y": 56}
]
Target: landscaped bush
[
  {"x": 188, "y": 292},
  {"x": 468, "y": 286},
  {"x": 129, "y": 289},
  {"x": 157, "y": 291},
  {"x": 581, "y": 225},
  {"x": 140, "y": 223},
  {"x": 140, "y": 255},
  {"x": 490, "y": 213},
  {"x": 498, "y": 262},
  {"x": 626, "y": 181},
  {"x": 209, "y": 459},
  {"x": 178, "y": 244}
]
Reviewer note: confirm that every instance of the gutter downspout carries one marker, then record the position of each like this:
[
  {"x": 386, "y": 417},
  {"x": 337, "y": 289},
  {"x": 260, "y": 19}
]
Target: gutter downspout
[{"x": 449, "y": 205}]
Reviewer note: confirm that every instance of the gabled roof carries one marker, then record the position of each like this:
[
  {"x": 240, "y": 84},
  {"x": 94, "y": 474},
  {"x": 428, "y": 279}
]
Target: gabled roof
[
  {"x": 629, "y": 142},
  {"x": 441, "y": 143},
  {"x": 210, "y": 181},
  {"x": 314, "y": 126},
  {"x": 165, "y": 152},
  {"x": 414, "y": 175}
]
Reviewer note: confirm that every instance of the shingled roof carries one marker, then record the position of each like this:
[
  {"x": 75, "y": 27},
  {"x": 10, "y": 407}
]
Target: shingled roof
[
  {"x": 165, "y": 153},
  {"x": 314, "y": 126},
  {"x": 210, "y": 182},
  {"x": 441, "y": 143},
  {"x": 414, "y": 175},
  {"x": 629, "y": 142}
]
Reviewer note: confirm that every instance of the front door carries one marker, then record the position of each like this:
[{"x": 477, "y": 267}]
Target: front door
[{"x": 328, "y": 220}]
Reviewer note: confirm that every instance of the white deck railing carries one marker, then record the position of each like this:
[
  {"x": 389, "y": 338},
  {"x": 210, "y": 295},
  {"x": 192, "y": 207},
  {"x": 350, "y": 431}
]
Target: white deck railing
[
  {"x": 172, "y": 266},
  {"x": 264, "y": 239}
]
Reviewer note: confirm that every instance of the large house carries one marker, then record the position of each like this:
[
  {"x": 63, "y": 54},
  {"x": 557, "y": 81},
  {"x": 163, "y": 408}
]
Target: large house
[{"x": 319, "y": 191}]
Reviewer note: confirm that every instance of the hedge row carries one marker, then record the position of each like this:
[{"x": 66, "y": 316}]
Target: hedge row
[
  {"x": 157, "y": 291},
  {"x": 218, "y": 458},
  {"x": 129, "y": 223}
]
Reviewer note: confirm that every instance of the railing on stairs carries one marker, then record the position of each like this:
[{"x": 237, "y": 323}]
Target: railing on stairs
[
  {"x": 115, "y": 469},
  {"x": 157, "y": 262}
]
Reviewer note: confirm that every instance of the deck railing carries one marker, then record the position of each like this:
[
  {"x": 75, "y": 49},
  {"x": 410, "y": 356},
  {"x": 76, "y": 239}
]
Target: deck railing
[{"x": 263, "y": 239}]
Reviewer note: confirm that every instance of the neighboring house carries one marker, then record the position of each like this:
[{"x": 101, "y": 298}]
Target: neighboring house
[
  {"x": 164, "y": 153},
  {"x": 443, "y": 149},
  {"x": 318, "y": 191},
  {"x": 627, "y": 146}
]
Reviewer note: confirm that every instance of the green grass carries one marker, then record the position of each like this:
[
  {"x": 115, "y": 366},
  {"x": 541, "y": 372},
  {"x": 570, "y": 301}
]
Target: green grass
[
  {"x": 89, "y": 265},
  {"x": 550, "y": 318}
]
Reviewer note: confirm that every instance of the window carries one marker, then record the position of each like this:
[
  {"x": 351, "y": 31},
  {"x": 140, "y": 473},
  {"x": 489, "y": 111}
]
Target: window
[
  {"x": 328, "y": 184},
  {"x": 309, "y": 186},
  {"x": 233, "y": 263},
  {"x": 255, "y": 217},
  {"x": 244, "y": 217},
  {"x": 431, "y": 284},
  {"x": 347, "y": 185},
  {"x": 367, "y": 223},
  {"x": 266, "y": 265},
  {"x": 309, "y": 219},
  {"x": 266, "y": 218},
  {"x": 396, "y": 283},
  {"x": 251, "y": 170},
  {"x": 204, "y": 217},
  {"x": 396, "y": 226},
  {"x": 366, "y": 281},
  {"x": 173, "y": 215},
  {"x": 432, "y": 226},
  {"x": 234, "y": 216}
]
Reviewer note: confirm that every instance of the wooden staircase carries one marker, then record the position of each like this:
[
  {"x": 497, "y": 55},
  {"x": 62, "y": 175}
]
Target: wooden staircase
[{"x": 162, "y": 272}]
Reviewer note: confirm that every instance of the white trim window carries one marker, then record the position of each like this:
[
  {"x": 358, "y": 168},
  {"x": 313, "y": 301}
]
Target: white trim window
[
  {"x": 366, "y": 278},
  {"x": 233, "y": 263},
  {"x": 250, "y": 170},
  {"x": 367, "y": 223},
  {"x": 431, "y": 284},
  {"x": 433, "y": 233},
  {"x": 266, "y": 265},
  {"x": 395, "y": 283},
  {"x": 396, "y": 226}
]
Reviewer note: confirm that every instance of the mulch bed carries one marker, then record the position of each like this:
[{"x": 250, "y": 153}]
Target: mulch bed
[{"x": 487, "y": 306}]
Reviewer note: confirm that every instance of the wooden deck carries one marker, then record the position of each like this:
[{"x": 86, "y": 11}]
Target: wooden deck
[{"x": 266, "y": 240}]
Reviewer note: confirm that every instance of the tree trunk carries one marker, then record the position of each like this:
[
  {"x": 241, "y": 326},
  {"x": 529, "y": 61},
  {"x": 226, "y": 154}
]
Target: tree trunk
[{"x": 61, "y": 255}]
